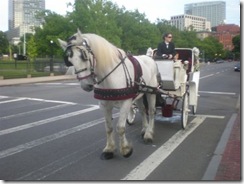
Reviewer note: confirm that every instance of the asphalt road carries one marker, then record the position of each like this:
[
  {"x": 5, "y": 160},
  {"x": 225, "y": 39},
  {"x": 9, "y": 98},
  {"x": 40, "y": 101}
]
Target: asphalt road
[{"x": 55, "y": 131}]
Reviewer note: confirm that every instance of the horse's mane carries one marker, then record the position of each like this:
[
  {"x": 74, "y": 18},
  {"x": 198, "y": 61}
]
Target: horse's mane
[{"x": 104, "y": 51}]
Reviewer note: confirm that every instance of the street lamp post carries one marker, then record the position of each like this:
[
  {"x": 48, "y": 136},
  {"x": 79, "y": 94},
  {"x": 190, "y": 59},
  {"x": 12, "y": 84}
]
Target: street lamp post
[
  {"x": 51, "y": 60},
  {"x": 24, "y": 46},
  {"x": 24, "y": 35}
]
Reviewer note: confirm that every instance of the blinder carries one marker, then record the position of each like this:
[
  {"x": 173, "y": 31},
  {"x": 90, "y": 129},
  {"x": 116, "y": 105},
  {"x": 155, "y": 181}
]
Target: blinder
[
  {"x": 66, "y": 61},
  {"x": 84, "y": 54},
  {"x": 68, "y": 53}
]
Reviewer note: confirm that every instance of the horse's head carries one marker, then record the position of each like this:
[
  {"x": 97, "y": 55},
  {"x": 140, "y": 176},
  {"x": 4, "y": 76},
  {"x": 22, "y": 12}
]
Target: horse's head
[
  {"x": 149, "y": 52},
  {"x": 79, "y": 55}
]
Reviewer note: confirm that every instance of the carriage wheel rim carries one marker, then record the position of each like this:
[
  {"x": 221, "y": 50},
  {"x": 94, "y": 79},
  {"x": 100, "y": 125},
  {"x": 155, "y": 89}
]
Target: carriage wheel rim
[{"x": 184, "y": 114}]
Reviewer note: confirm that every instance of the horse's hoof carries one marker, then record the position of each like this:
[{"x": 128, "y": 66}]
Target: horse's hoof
[
  {"x": 107, "y": 155},
  {"x": 129, "y": 153},
  {"x": 148, "y": 140},
  {"x": 129, "y": 122}
]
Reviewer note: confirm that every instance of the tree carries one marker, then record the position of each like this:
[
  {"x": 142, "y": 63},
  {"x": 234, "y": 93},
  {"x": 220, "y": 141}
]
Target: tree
[
  {"x": 55, "y": 26},
  {"x": 212, "y": 47},
  {"x": 99, "y": 17},
  {"x": 32, "y": 48},
  {"x": 4, "y": 44},
  {"x": 138, "y": 32},
  {"x": 237, "y": 43},
  {"x": 128, "y": 30}
]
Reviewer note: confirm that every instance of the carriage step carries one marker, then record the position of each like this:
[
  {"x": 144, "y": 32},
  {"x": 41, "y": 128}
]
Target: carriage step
[{"x": 188, "y": 110}]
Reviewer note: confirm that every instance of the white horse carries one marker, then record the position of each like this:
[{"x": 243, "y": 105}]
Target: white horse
[{"x": 106, "y": 69}]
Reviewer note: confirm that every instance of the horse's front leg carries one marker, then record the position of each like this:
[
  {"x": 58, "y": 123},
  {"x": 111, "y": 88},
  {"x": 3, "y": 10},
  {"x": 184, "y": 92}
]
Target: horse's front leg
[
  {"x": 108, "y": 151},
  {"x": 148, "y": 137},
  {"x": 125, "y": 147}
]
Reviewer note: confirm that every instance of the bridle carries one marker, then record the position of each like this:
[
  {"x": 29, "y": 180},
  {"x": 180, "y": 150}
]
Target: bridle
[{"x": 86, "y": 52}]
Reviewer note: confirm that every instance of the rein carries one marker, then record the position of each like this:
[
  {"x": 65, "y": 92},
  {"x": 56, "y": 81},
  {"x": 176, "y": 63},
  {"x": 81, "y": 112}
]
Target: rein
[
  {"x": 131, "y": 91},
  {"x": 121, "y": 62},
  {"x": 92, "y": 64}
]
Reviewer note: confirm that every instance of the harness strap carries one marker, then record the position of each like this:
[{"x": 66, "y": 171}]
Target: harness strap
[
  {"x": 123, "y": 93},
  {"x": 121, "y": 62}
]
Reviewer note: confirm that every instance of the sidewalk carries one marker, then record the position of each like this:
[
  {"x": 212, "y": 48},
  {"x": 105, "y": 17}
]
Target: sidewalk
[
  {"x": 11, "y": 82},
  {"x": 230, "y": 165}
]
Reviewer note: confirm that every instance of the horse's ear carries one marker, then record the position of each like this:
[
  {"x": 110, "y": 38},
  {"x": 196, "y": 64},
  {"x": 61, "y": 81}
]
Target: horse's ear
[
  {"x": 63, "y": 44},
  {"x": 79, "y": 32}
]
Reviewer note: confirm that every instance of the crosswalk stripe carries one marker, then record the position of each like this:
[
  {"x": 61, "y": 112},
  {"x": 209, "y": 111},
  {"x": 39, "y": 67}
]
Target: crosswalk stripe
[
  {"x": 45, "y": 121},
  {"x": 38, "y": 142}
]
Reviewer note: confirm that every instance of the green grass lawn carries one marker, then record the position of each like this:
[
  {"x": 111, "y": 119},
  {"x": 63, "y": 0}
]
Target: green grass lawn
[{"x": 20, "y": 69}]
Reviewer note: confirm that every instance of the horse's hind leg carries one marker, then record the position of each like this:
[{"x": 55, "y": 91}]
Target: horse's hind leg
[
  {"x": 143, "y": 111},
  {"x": 108, "y": 151},
  {"x": 125, "y": 147}
]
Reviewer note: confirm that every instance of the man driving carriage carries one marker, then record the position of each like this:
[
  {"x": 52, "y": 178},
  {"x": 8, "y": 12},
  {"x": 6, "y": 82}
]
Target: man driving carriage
[{"x": 166, "y": 49}]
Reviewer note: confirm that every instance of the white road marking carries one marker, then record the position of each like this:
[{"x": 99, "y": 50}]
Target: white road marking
[
  {"x": 143, "y": 170},
  {"x": 207, "y": 76},
  {"x": 34, "y": 99},
  {"x": 34, "y": 111},
  {"x": 51, "y": 101},
  {"x": 209, "y": 116},
  {"x": 43, "y": 140},
  {"x": 73, "y": 84},
  {"x": 64, "y": 84},
  {"x": 45, "y": 121},
  {"x": 217, "y": 93},
  {"x": 53, "y": 83},
  {"x": 14, "y": 100}
]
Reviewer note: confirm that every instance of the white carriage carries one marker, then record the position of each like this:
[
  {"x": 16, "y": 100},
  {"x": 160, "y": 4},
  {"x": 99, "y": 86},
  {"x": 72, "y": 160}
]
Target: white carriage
[{"x": 179, "y": 83}]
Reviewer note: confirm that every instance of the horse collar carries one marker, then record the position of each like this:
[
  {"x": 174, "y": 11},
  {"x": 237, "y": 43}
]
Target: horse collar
[{"x": 131, "y": 91}]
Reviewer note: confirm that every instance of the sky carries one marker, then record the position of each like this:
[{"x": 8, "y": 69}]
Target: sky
[{"x": 153, "y": 9}]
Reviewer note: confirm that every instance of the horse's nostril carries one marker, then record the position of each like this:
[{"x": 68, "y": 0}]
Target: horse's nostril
[{"x": 90, "y": 86}]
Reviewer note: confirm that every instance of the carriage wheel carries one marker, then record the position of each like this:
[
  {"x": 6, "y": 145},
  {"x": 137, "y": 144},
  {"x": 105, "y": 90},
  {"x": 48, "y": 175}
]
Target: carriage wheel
[
  {"x": 194, "y": 107},
  {"x": 185, "y": 110},
  {"x": 131, "y": 117}
]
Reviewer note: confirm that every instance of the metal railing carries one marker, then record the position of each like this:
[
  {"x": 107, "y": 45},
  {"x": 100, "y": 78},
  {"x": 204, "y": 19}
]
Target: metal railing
[{"x": 26, "y": 68}]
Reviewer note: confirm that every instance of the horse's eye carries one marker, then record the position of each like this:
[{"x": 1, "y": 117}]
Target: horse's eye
[{"x": 84, "y": 43}]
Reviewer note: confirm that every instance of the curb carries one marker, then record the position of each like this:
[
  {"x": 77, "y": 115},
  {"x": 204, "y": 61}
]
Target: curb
[
  {"x": 11, "y": 82},
  {"x": 218, "y": 153},
  {"x": 225, "y": 164}
]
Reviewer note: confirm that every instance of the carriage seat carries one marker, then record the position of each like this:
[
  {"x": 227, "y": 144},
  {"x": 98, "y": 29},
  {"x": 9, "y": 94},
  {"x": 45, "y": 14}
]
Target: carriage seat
[{"x": 172, "y": 74}]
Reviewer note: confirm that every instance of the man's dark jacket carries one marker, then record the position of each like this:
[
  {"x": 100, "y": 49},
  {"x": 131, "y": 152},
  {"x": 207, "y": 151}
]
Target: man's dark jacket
[{"x": 162, "y": 49}]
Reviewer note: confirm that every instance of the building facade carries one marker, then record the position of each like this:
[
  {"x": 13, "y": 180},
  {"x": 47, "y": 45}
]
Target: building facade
[
  {"x": 214, "y": 11},
  {"x": 225, "y": 33},
  {"x": 190, "y": 22},
  {"x": 22, "y": 17}
]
